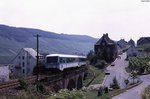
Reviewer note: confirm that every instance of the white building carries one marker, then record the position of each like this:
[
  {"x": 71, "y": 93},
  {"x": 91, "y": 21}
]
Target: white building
[
  {"x": 24, "y": 62},
  {"x": 132, "y": 51},
  {"x": 4, "y": 73}
]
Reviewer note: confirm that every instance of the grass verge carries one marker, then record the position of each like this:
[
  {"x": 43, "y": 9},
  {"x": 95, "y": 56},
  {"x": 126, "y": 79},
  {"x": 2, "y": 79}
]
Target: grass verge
[
  {"x": 99, "y": 75},
  {"x": 93, "y": 94}
]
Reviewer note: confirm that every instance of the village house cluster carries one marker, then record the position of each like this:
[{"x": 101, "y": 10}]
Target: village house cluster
[{"x": 25, "y": 61}]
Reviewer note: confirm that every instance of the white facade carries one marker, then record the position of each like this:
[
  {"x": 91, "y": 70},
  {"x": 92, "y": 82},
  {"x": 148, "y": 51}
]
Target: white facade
[
  {"x": 4, "y": 73},
  {"x": 24, "y": 62}
]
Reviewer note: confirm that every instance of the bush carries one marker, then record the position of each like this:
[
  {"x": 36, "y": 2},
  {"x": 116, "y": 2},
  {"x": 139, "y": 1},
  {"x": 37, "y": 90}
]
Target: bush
[
  {"x": 106, "y": 89},
  {"x": 100, "y": 64},
  {"x": 146, "y": 94},
  {"x": 40, "y": 69},
  {"x": 23, "y": 83},
  {"x": 115, "y": 84},
  {"x": 42, "y": 88},
  {"x": 67, "y": 94},
  {"x": 126, "y": 81},
  {"x": 100, "y": 91}
]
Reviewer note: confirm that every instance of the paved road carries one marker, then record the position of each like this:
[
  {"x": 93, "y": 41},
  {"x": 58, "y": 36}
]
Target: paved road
[
  {"x": 135, "y": 93},
  {"x": 117, "y": 71}
]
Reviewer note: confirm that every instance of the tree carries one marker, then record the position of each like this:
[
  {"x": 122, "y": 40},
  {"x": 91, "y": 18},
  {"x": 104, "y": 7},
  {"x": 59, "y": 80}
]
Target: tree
[
  {"x": 133, "y": 75},
  {"x": 41, "y": 67},
  {"x": 126, "y": 81},
  {"x": 146, "y": 93},
  {"x": 115, "y": 84},
  {"x": 100, "y": 64},
  {"x": 23, "y": 83},
  {"x": 91, "y": 57}
]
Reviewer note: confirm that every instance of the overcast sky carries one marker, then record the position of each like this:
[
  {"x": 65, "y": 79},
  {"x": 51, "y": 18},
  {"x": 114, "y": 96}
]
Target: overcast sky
[{"x": 120, "y": 18}]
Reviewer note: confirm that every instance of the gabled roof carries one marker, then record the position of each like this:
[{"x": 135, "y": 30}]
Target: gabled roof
[
  {"x": 131, "y": 42},
  {"x": 106, "y": 39},
  {"x": 142, "y": 39},
  {"x": 31, "y": 51}
]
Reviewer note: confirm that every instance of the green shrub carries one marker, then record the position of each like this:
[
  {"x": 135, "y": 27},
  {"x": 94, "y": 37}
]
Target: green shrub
[
  {"x": 115, "y": 84},
  {"x": 42, "y": 88},
  {"x": 67, "y": 94},
  {"x": 146, "y": 93},
  {"x": 100, "y": 64},
  {"x": 40, "y": 69},
  {"x": 23, "y": 83}
]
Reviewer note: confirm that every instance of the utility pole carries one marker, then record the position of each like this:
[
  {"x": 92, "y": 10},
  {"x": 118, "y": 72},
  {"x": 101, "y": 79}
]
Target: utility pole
[{"x": 37, "y": 62}]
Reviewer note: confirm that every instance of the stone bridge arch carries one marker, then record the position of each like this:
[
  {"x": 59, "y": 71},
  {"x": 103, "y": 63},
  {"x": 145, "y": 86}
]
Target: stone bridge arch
[
  {"x": 79, "y": 82},
  {"x": 56, "y": 87},
  {"x": 71, "y": 84}
]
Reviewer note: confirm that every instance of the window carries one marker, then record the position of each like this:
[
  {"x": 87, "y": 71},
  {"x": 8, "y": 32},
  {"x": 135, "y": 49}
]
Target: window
[
  {"x": 23, "y": 71},
  {"x": 19, "y": 57},
  {"x": 69, "y": 60},
  {"x": 22, "y": 57},
  {"x": 22, "y": 64},
  {"x": 62, "y": 60},
  {"x": 52, "y": 59},
  {"x": 82, "y": 59}
]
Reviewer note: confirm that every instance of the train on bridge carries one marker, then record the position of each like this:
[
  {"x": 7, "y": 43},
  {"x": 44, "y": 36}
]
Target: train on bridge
[{"x": 64, "y": 61}]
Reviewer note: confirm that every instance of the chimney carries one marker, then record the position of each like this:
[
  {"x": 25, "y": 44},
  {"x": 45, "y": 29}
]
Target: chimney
[{"x": 107, "y": 34}]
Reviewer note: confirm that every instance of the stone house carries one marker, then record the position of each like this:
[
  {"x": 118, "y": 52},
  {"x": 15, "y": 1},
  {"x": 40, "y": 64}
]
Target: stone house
[{"x": 107, "y": 48}]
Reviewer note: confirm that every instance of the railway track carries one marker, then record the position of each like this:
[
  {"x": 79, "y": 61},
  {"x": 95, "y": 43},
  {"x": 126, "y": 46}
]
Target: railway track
[
  {"x": 14, "y": 83},
  {"x": 32, "y": 79}
]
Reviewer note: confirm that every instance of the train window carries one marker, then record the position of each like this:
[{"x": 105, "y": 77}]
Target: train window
[
  {"x": 62, "y": 60},
  {"x": 82, "y": 59},
  {"x": 52, "y": 59},
  {"x": 69, "y": 60}
]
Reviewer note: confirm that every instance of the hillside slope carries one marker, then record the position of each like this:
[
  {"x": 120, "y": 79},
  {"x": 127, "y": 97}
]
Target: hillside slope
[{"x": 12, "y": 39}]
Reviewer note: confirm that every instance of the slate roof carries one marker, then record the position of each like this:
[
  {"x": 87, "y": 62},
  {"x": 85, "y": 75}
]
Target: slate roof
[
  {"x": 131, "y": 42},
  {"x": 142, "y": 39},
  {"x": 31, "y": 51},
  {"x": 107, "y": 40}
]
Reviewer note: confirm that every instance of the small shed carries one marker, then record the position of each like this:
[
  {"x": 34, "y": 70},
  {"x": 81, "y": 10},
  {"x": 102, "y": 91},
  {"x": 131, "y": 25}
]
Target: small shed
[{"x": 4, "y": 73}]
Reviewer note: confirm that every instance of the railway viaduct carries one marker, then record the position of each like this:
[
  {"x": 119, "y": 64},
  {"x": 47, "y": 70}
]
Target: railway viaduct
[{"x": 67, "y": 80}]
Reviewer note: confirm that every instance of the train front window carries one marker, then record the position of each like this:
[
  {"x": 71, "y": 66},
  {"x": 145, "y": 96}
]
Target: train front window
[
  {"x": 82, "y": 59},
  {"x": 52, "y": 59}
]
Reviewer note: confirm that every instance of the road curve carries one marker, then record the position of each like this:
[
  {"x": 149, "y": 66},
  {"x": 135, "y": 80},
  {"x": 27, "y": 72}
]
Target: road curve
[{"x": 135, "y": 93}]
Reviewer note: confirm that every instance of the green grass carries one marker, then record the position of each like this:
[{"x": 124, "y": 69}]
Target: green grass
[
  {"x": 99, "y": 75},
  {"x": 93, "y": 94}
]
